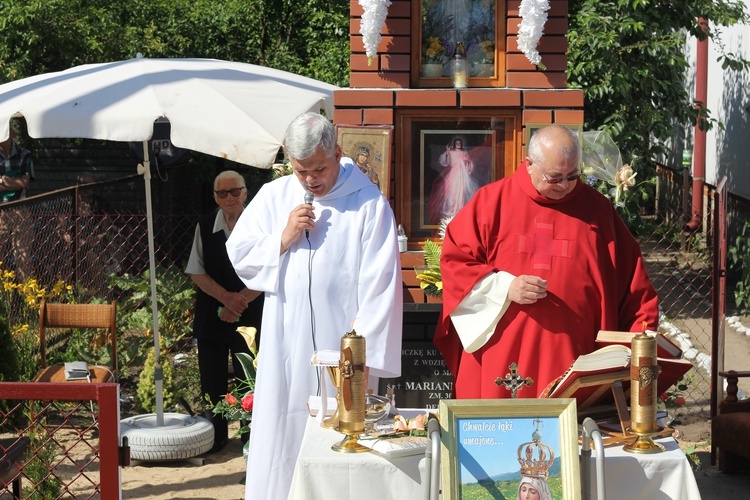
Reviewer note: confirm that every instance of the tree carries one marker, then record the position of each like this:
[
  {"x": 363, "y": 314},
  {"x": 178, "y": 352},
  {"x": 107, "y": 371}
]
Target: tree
[
  {"x": 308, "y": 37},
  {"x": 629, "y": 58}
]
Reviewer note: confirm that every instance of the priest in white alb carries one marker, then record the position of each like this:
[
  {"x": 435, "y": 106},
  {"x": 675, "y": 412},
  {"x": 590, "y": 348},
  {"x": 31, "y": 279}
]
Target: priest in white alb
[{"x": 328, "y": 263}]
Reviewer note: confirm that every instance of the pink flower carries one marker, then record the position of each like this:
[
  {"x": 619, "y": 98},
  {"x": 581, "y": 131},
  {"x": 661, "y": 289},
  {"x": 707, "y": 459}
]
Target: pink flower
[
  {"x": 679, "y": 401},
  {"x": 626, "y": 177},
  {"x": 417, "y": 423},
  {"x": 230, "y": 400},
  {"x": 247, "y": 401},
  {"x": 399, "y": 424}
]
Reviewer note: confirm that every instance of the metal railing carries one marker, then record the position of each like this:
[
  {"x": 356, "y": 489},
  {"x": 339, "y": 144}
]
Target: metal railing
[{"x": 71, "y": 435}]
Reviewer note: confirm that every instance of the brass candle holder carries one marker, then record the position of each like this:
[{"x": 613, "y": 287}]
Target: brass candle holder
[
  {"x": 644, "y": 372},
  {"x": 351, "y": 394}
]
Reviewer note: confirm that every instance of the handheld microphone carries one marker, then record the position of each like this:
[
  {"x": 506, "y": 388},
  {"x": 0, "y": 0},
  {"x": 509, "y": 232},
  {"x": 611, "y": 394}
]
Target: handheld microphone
[{"x": 308, "y": 201}]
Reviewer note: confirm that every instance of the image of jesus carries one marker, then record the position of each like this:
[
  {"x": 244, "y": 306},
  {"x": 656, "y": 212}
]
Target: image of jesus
[{"x": 455, "y": 185}]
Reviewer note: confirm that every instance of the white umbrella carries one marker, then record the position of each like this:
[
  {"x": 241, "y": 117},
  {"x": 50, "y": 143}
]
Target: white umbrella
[{"x": 227, "y": 109}]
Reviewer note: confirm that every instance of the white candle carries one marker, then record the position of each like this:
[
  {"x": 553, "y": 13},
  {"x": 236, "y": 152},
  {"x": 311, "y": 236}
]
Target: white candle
[{"x": 460, "y": 79}]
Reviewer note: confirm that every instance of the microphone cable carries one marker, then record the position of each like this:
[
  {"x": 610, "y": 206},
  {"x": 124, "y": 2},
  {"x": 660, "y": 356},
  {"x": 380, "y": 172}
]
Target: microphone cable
[{"x": 310, "y": 301}]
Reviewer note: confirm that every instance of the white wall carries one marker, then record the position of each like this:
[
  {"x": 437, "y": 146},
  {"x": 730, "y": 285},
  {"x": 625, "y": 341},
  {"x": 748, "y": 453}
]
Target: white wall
[{"x": 727, "y": 151}]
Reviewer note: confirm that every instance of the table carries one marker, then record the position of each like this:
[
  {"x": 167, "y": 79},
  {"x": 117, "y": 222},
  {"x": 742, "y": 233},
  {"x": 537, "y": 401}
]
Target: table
[
  {"x": 657, "y": 476},
  {"x": 322, "y": 473}
]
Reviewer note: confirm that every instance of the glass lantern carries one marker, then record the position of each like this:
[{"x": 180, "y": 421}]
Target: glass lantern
[{"x": 460, "y": 67}]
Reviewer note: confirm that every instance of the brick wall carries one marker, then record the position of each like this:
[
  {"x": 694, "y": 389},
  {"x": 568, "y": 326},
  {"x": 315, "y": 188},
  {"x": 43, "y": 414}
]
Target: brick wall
[{"x": 385, "y": 86}]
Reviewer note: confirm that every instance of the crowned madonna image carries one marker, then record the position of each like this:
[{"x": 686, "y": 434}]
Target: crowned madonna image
[
  {"x": 536, "y": 460},
  {"x": 497, "y": 459}
]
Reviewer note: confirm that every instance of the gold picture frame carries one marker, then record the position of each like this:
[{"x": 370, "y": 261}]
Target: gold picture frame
[
  {"x": 485, "y": 443},
  {"x": 370, "y": 149}
]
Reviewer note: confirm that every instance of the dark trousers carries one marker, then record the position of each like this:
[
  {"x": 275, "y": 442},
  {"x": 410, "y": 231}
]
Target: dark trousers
[{"x": 213, "y": 366}]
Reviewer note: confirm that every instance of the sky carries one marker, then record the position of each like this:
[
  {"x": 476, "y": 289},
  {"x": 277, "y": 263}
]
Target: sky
[{"x": 490, "y": 445}]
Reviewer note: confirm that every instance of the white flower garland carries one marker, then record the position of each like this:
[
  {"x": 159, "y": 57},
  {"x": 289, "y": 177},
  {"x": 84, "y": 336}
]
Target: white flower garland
[
  {"x": 533, "y": 17},
  {"x": 371, "y": 24}
]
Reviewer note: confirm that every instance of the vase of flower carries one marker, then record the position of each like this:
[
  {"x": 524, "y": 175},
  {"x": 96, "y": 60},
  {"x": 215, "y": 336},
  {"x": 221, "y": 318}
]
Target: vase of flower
[
  {"x": 433, "y": 56},
  {"x": 432, "y": 70},
  {"x": 484, "y": 69}
]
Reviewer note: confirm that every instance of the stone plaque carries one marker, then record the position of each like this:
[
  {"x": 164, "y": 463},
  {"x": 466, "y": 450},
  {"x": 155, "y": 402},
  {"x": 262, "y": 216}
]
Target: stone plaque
[{"x": 424, "y": 379}]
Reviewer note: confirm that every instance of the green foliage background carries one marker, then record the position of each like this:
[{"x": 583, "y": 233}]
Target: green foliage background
[
  {"x": 506, "y": 490},
  {"x": 308, "y": 37},
  {"x": 628, "y": 56}
]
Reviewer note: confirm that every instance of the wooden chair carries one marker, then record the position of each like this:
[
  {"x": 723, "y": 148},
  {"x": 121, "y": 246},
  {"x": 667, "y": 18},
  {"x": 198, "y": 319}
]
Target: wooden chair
[
  {"x": 731, "y": 427},
  {"x": 86, "y": 316}
]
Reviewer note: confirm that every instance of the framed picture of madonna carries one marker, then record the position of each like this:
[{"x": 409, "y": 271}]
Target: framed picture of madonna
[
  {"x": 370, "y": 149},
  {"x": 479, "y": 26},
  {"x": 509, "y": 448}
]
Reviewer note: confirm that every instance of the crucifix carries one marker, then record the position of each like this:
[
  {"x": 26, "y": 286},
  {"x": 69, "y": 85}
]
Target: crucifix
[{"x": 514, "y": 381}]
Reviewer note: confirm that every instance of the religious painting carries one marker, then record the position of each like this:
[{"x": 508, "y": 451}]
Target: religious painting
[
  {"x": 443, "y": 158},
  {"x": 370, "y": 149},
  {"x": 509, "y": 448},
  {"x": 444, "y": 24},
  {"x": 453, "y": 165}
]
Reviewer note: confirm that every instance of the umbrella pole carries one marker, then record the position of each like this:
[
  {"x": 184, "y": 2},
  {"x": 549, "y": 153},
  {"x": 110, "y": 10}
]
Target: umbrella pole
[{"x": 145, "y": 169}]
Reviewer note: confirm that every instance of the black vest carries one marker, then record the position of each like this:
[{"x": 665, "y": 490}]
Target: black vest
[{"x": 207, "y": 325}]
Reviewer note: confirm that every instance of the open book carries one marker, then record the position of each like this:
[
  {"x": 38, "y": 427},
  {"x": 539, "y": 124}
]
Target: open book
[
  {"x": 589, "y": 379},
  {"x": 665, "y": 348}
]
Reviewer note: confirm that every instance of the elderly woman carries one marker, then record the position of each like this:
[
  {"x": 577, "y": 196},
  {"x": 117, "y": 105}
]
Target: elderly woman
[{"x": 223, "y": 302}]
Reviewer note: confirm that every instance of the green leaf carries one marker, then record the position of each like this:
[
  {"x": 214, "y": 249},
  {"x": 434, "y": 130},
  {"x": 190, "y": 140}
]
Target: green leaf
[
  {"x": 432, "y": 252},
  {"x": 247, "y": 365}
]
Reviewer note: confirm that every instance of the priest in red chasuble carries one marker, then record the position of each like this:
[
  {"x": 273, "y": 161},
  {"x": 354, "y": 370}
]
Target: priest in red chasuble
[{"x": 533, "y": 267}]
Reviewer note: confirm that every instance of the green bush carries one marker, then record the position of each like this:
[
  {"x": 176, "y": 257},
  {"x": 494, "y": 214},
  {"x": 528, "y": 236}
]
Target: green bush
[
  {"x": 175, "y": 300},
  {"x": 9, "y": 371},
  {"x": 739, "y": 265},
  {"x": 40, "y": 485},
  {"x": 147, "y": 387},
  {"x": 187, "y": 381}
]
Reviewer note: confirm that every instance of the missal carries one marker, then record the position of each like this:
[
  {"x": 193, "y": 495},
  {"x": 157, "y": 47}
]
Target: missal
[
  {"x": 665, "y": 348},
  {"x": 591, "y": 376}
]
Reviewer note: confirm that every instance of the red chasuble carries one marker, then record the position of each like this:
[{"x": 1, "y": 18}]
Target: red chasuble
[{"x": 596, "y": 280}]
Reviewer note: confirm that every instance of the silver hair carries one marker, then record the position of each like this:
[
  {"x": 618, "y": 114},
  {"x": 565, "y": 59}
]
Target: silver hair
[
  {"x": 545, "y": 137},
  {"x": 229, "y": 174},
  {"x": 307, "y": 133}
]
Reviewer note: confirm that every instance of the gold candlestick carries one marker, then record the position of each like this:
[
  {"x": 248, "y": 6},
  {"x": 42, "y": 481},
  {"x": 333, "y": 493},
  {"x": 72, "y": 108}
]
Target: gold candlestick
[
  {"x": 351, "y": 393},
  {"x": 644, "y": 372}
]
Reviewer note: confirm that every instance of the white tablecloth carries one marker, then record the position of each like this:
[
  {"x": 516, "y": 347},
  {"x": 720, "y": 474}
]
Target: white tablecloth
[
  {"x": 656, "y": 476},
  {"x": 322, "y": 473}
]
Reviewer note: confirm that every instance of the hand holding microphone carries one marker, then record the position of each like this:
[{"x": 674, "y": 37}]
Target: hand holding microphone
[
  {"x": 308, "y": 201},
  {"x": 300, "y": 217}
]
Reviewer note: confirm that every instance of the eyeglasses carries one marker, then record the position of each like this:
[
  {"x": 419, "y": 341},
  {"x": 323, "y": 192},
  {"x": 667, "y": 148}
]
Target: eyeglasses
[
  {"x": 222, "y": 193},
  {"x": 558, "y": 180}
]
